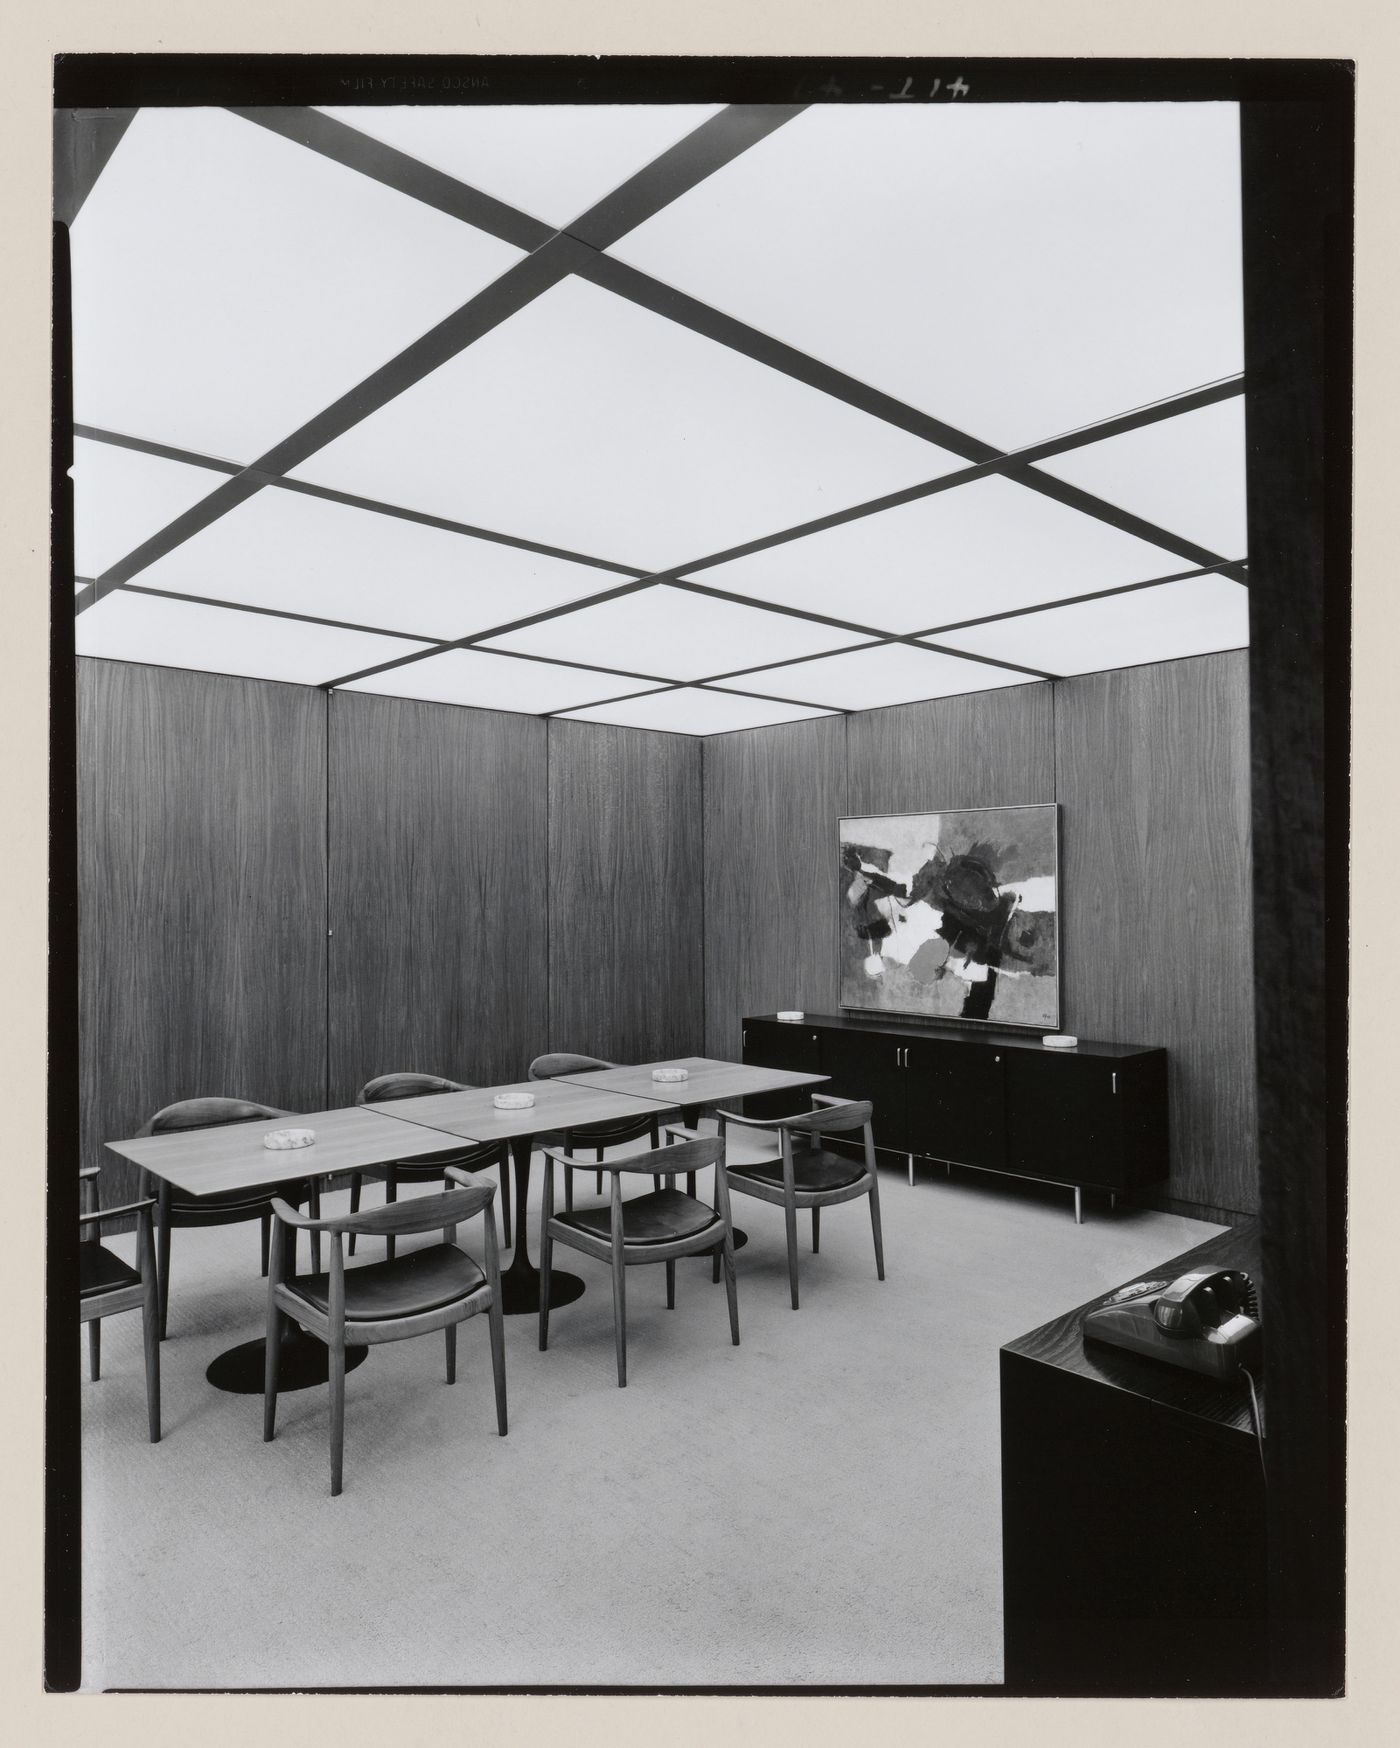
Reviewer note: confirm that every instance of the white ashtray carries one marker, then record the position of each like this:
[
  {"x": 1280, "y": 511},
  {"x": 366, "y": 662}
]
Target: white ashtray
[
  {"x": 283, "y": 1140},
  {"x": 513, "y": 1101},
  {"x": 670, "y": 1075},
  {"x": 1060, "y": 1041},
  {"x": 794, "y": 1016}
]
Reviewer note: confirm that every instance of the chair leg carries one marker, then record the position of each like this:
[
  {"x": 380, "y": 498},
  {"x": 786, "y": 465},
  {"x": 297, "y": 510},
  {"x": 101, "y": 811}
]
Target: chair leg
[
  {"x": 670, "y": 1286},
  {"x": 337, "y": 1380},
  {"x": 620, "y": 1323},
  {"x": 357, "y": 1179},
  {"x": 163, "y": 1268},
  {"x": 274, "y": 1353},
  {"x": 714, "y": 1273},
  {"x": 816, "y": 1230},
  {"x": 875, "y": 1228},
  {"x": 730, "y": 1284},
  {"x": 391, "y": 1194},
  {"x": 95, "y": 1349},
  {"x": 546, "y": 1258},
  {"x": 599, "y": 1185},
  {"x": 505, "y": 1200},
  {"x": 791, "y": 1218},
  {"x": 568, "y": 1191},
  {"x": 498, "y": 1362},
  {"x": 450, "y": 1335},
  {"x": 690, "y": 1184},
  {"x": 266, "y": 1224},
  {"x": 150, "y": 1341},
  {"x": 314, "y": 1204}
]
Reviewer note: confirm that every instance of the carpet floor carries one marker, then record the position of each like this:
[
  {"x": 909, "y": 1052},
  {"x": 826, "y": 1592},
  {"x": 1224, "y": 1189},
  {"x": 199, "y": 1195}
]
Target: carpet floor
[{"x": 819, "y": 1506}]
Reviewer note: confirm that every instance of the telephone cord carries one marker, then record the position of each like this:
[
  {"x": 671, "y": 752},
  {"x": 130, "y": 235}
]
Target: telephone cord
[{"x": 1257, "y": 1419}]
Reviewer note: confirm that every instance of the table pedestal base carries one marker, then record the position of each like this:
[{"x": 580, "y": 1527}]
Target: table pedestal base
[
  {"x": 304, "y": 1362},
  {"x": 520, "y": 1290}
]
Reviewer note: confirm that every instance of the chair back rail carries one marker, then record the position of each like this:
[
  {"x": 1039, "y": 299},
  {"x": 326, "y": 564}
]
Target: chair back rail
[{"x": 683, "y": 1157}]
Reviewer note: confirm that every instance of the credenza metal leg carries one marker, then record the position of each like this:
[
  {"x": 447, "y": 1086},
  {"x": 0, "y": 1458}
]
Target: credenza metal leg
[
  {"x": 911, "y": 1171},
  {"x": 1078, "y": 1206}
]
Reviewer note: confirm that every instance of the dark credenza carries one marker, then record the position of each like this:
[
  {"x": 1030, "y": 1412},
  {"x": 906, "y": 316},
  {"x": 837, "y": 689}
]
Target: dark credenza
[
  {"x": 1094, "y": 1116},
  {"x": 1133, "y": 1539}
]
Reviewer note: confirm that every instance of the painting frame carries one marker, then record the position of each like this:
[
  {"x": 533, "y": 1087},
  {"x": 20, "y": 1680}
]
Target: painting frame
[{"x": 905, "y": 1011}]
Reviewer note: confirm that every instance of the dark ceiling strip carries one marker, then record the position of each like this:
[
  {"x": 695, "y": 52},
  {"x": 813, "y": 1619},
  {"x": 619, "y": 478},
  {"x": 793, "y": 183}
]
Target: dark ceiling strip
[
  {"x": 966, "y": 655},
  {"x": 395, "y": 169},
  {"x": 280, "y": 613},
  {"x": 716, "y": 142},
  {"x": 190, "y": 458},
  {"x": 83, "y": 143},
  {"x": 1075, "y": 600},
  {"x": 220, "y": 501},
  {"x": 1170, "y": 408},
  {"x": 1074, "y": 498}
]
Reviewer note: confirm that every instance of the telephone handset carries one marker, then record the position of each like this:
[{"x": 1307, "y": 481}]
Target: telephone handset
[{"x": 1206, "y": 1321}]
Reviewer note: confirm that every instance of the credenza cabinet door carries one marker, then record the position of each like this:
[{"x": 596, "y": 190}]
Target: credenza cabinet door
[
  {"x": 955, "y": 1099},
  {"x": 870, "y": 1065},
  {"x": 781, "y": 1044},
  {"x": 1064, "y": 1118}
]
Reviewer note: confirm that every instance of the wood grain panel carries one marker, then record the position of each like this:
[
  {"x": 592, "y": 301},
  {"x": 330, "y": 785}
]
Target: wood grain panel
[
  {"x": 437, "y": 837},
  {"x": 985, "y": 749},
  {"x": 626, "y": 860},
  {"x": 1153, "y": 779},
  {"x": 772, "y": 800},
  {"x": 201, "y": 896}
]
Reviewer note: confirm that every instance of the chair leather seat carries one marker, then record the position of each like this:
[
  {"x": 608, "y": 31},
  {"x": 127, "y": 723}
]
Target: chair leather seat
[
  {"x": 658, "y": 1218},
  {"x": 423, "y": 1280},
  {"x": 233, "y": 1204},
  {"x": 812, "y": 1169},
  {"x": 102, "y": 1271}
]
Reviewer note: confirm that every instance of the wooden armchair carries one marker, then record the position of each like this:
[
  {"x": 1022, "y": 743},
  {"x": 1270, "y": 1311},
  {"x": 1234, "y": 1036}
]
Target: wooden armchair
[
  {"x": 598, "y": 1136},
  {"x": 471, "y": 1156},
  {"x": 657, "y": 1227},
  {"x": 435, "y": 1287},
  {"x": 107, "y": 1286},
  {"x": 808, "y": 1175}
]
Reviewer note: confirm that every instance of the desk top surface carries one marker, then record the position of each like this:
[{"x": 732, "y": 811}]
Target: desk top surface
[
  {"x": 1061, "y": 1343},
  {"x": 559, "y": 1104},
  {"x": 709, "y": 1080},
  {"x": 212, "y": 1162}
]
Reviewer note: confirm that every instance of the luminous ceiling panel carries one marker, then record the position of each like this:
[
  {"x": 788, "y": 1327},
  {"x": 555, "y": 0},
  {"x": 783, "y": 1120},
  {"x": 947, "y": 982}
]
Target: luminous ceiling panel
[
  {"x": 589, "y": 423},
  {"x": 1121, "y": 631},
  {"x": 1019, "y": 270},
  {"x": 492, "y": 682},
  {"x": 972, "y": 550},
  {"x": 1186, "y": 474},
  {"x": 552, "y": 160},
  {"x": 121, "y": 498},
  {"x": 689, "y": 710},
  {"x": 229, "y": 284},
  {"x": 220, "y": 640},
  {"x": 674, "y": 634},
  {"x": 285, "y": 550},
  {"x": 888, "y": 673}
]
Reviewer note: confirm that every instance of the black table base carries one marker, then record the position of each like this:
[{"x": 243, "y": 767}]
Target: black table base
[
  {"x": 304, "y": 1362},
  {"x": 520, "y": 1289}
]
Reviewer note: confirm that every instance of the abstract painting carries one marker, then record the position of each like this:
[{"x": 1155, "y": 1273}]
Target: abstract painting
[{"x": 953, "y": 915}]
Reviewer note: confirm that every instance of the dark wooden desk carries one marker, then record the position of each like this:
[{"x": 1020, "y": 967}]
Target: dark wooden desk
[
  {"x": 211, "y": 1162},
  {"x": 473, "y": 1116},
  {"x": 1132, "y": 1513}
]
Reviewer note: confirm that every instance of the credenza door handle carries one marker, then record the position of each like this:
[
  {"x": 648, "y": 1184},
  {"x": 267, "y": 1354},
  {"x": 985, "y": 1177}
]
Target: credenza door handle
[{"x": 1115, "y": 1082}]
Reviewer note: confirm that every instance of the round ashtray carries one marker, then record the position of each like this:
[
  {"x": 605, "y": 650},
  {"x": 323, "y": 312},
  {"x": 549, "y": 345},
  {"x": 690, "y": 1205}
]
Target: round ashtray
[
  {"x": 670, "y": 1076},
  {"x": 1060, "y": 1041},
  {"x": 283, "y": 1140},
  {"x": 792, "y": 1016},
  {"x": 513, "y": 1101}
]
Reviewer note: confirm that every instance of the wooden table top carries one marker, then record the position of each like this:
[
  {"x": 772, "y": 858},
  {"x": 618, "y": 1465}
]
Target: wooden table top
[
  {"x": 210, "y": 1162},
  {"x": 559, "y": 1104},
  {"x": 709, "y": 1080}
]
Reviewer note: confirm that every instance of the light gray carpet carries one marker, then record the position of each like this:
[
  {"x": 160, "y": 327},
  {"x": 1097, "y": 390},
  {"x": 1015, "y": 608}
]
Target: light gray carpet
[{"x": 819, "y": 1505}]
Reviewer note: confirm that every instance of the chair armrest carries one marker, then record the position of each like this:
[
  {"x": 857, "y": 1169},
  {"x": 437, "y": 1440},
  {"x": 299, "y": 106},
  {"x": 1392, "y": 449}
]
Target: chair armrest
[
  {"x": 88, "y": 1171},
  {"x": 116, "y": 1213},
  {"x": 769, "y": 1123},
  {"x": 681, "y": 1133},
  {"x": 827, "y": 1099},
  {"x": 291, "y": 1216},
  {"x": 482, "y": 1194}
]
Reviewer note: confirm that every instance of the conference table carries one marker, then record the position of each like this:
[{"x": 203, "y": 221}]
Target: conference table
[{"x": 211, "y": 1162}]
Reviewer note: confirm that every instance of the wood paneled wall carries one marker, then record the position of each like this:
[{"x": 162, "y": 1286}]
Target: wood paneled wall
[
  {"x": 1152, "y": 775},
  {"x": 201, "y": 896},
  {"x": 772, "y": 799},
  {"x": 1150, "y": 766},
  {"x": 626, "y": 899},
  {"x": 437, "y": 835}
]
